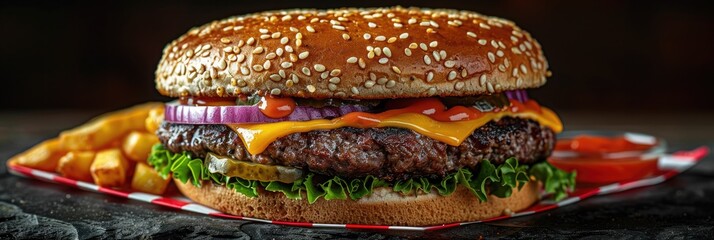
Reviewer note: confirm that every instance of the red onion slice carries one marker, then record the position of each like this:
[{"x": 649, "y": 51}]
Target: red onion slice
[
  {"x": 175, "y": 113},
  {"x": 519, "y": 95}
]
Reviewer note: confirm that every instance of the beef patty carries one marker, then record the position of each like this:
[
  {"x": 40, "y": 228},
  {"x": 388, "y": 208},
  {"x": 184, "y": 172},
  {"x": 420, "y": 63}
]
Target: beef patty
[{"x": 387, "y": 153}]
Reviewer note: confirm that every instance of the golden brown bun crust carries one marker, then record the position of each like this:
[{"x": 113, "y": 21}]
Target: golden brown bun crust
[
  {"x": 353, "y": 53},
  {"x": 383, "y": 207}
]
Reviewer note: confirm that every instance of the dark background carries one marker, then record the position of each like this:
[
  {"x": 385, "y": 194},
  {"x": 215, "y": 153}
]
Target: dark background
[{"x": 619, "y": 56}]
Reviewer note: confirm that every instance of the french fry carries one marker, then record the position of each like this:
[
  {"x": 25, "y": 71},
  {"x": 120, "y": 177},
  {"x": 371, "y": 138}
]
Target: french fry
[
  {"x": 137, "y": 145},
  {"x": 76, "y": 165},
  {"x": 146, "y": 179},
  {"x": 109, "y": 168},
  {"x": 43, "y": 156},
  {"x": 153, "y": 121},
  {"x": 102, "y": 130}
]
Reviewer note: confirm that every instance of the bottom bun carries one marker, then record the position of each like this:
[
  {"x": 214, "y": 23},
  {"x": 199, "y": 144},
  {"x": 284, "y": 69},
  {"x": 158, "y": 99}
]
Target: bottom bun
[{"x": 383, "y": 207}]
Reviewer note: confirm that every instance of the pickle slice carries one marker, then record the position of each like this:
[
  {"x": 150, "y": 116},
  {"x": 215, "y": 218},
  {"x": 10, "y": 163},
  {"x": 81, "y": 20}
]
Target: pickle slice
[{"x": 251, "y": 171}]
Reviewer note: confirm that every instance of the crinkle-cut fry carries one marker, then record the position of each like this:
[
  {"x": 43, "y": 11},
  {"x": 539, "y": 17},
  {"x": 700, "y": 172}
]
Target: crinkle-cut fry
[
  {"x": 76, "y": 165},
  {"x": 102, "y": 130},
  {"x": 43, "y": 156},
  {"x": 137, "y": 145},
  {"x": 146, "y": 179},
  {"x": 109, "y": 168}
]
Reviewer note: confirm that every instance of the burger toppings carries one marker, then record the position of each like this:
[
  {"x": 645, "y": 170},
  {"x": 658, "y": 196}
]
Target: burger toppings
[
  {"x": 487, "y": 178},
  {"x": 387, "y": 153},
  {"x": 249, "y": 114}
]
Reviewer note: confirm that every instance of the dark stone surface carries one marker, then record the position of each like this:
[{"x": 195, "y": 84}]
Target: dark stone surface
[{"x": 680, "y": 208}]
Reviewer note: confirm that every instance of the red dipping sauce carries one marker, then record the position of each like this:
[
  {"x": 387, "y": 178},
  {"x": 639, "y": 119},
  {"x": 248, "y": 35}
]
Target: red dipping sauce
[{"x": 607, "y": 157}]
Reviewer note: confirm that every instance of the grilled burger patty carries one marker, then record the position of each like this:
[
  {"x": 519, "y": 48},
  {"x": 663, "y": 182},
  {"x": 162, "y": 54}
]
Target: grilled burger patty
[{"x": 387, "y": 153}]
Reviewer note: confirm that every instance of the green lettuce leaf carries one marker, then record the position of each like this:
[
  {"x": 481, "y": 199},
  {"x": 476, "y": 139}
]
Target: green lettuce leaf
[{"x": 488, "y": 179}]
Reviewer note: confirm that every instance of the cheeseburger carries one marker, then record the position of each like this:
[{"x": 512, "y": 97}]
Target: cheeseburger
[{"x": 394, "y": 116}]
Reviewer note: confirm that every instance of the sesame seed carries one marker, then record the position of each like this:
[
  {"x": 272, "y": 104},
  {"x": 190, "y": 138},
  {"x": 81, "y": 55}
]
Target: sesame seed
[
  {"x": 524, "y": 69},
  {"x": 335, "y": 80},
  {"x": 275, "y": 91},
  {"x": 432, "y": 91},
  {"x": 404, "y": 35},
  {"x": 275, "y": 35},
  {"x": 324, "y": 75},
  {"x": 396, "y": 70},
  {"x": 391, "y": 83},
  {"x": 244, "y": 70},
  {"x": 257, "y": 68},
  {"x": 459, "y": 85},
  {"x": 501, "y": 68},
  {"x": 482, "y": 80},
  {"x": 482, "y": 41},
  {"x": 372, "y": 76},
  {"x": 303, "y": 55},
  {"x": 221, "y": 65},
  {"x": 310, "y": 88},
  {"x": 266, "y": 65},
  {"x": 514, "y": 39},
  {"x": 499, "y": 53},
  {"x": 398, "y": 25},
  {"x": 412, "y": 21},
  {"x": 361, "y": 63},
  {"x": 430, "y": 30},
  {"x": 471, "y": 34},
  {"x": 515, "y": 50},
  {"x": 483, "y": 25},
  {"x": 392, "y": 39},
  {"x": 424, "y": 24},
  {"x": 452, "y": 75},
  {"x": 332, "y": 87},
  {"x": 528, "y": 45},
  {"x": 517, "y": 33},
  {"x": 338, "y": 27},
  {"x": 442, "y": 53},
  {"x": 489, "y": 87},
  {"x": 240, "y": 58},
  {"x": 352, "y": 60},
  {"x": 413, "y": 46},
  {"x": 429, "y": 76},
  {"x": 293, "y": 29},
  {"x": 367, "y": 36},
  {"x": 433, "y": 44},
  {"x": 270, "y": 56},
  {"x": 279, "y": 51},
  {"x": 258, "y": 50},
  {"x": 387, "y": 52},
  {"x": 284, "y": 40},
  {"x": 342, "y": 19},
  {"x": 286, "y": 64},
  {"x": 369, "y": 84},
  {"x": 298, "y": 35},
  {"x": 289, "y": 83},
  {"x": 319, "y": 67},
  {"x": 500, "y": 44},
  {"x": 491, "y": 57},
  {"x": 380, "y": 38},
  {"x": 288, "y": 48},
  {"x": 345, "y": 36},
  {"x": 515, "y": 72},
  {"x": 263, "y": 30},
  {"x": 275, "y": 77},
  {"x": 225, "y": 40},
  {"x": 449, "y": 64},
  {"x": 436, "y": 55},
  {"x": 228, "y": 49},
  {"x": 355, "y": 90},
  {"x": 407, "y": 52},
  {"x": 264, "y": 36},
  {"x": 370, "y": 54},
  {"x": 250, "y": 41},
  {"x": 335, "y": 72},
  {"x": 312, "y": 30},
  {"x": 427, "y": 60},
  {"x": 281, "y": 73},
  {"x": 371, "y": 25},
  {"x": 306, "y": 71},
  {"x": 383, "y": 60},
  {"x": 434, "y": 24},
  {"x": 422, "y": 46},
  {"x": 294, "y": 78},
  {"x": 494, "y": 44},
  {"x": 298, "y": 42}
]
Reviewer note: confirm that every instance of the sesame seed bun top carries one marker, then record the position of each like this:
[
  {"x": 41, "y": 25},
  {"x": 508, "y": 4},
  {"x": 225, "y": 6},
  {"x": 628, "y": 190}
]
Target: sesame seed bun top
[{"x": 352, "y": 54}]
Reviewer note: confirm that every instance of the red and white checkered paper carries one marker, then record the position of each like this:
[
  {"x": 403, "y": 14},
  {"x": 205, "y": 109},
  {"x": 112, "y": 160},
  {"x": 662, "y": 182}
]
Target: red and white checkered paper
[{"x": 670, "y": 165}]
